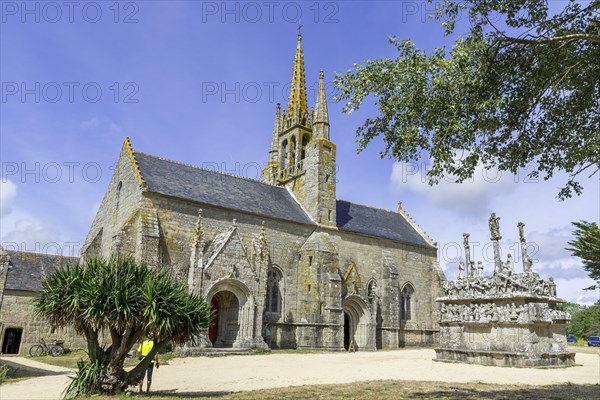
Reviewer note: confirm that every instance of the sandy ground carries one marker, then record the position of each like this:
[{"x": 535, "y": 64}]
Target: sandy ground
[{"x": 237, "y": 373}]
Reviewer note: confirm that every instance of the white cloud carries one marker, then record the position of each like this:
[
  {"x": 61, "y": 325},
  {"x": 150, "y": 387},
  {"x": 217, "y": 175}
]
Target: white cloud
[
  {"x": 447, "y": 210},
  {"x": 33, "y": 236},
  {"x": 550, "y": 245},
  {"x": 90, "y": 123},
  {"x": 471, "y": 198},
  {"x": 8, "y": 194},
  {"x": 561, "y": 271},
  {"x": 572, "y": 291}
]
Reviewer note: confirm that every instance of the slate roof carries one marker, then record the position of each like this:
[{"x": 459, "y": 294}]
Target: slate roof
[
  {"x": 211, "y": 187},
  {"x": 236, "y": 193},
  {"x": 27, "y": 269},
  {"x": 372, "y": 221}
]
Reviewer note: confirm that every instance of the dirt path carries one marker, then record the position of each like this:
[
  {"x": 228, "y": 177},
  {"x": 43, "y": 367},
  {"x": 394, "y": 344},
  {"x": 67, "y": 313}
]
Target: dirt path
[{"x": 236, "y": 373}]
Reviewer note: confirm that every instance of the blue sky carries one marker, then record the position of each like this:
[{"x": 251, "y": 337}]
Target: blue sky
[{"x": 197, "y": 82}]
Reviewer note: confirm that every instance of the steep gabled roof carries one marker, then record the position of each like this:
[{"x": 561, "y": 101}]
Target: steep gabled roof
[
  {"x": 28, "y": 269},
  {"x": 372, "y": 221},
  {"x": 184, "y": 181},
  {"x": 210, "y": 187}
]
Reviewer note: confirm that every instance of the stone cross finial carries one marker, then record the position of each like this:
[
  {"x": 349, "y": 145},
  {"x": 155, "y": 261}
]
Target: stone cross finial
[
  {"x": 467, "y": 252},
  {"x": 524, "y": 255}
]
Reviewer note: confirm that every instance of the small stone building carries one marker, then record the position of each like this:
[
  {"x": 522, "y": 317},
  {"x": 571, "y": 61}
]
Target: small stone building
[
  {"x": 325, "y": 273},
  {"x": 21, "y": 274}
]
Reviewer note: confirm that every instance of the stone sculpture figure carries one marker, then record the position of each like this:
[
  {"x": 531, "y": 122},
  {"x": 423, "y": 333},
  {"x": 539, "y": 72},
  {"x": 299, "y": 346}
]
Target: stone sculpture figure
[
  {"x": 495, "y": 237},
  {"x": 552, "y": 287},
  {"x": 479, "y": 268},
  {"x": 461, "y": 270},
  {"x": 510, "y": 265},
  {"x": 494, "y": 227}
]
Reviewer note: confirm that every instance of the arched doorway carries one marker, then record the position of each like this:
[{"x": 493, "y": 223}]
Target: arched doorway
[
  {"x": 346, "y": 331},
  {"x": 234, "y": 324},
  {"x": 226, "y": 319},
  {"x": 214, "y": 323},
  {"x": 358, "y": 332}
]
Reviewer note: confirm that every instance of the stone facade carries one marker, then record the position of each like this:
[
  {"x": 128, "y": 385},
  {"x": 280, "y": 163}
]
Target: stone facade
[
  {"x": 324, "y": 273},
  {"x": 507, "y": 319},
  {"x": 20, "y": 281}
]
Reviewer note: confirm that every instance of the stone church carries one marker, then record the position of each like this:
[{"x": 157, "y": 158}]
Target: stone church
[{"x": 324, "y": 272}]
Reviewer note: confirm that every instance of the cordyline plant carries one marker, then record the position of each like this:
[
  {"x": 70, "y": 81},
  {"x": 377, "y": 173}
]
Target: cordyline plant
[{"x": 127, "y": 301}]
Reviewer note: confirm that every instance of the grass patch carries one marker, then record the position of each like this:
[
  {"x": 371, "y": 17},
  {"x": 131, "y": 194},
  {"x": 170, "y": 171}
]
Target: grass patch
[
  {"x": 67, "y": 360},
  {"x": 390, "y": 390}
]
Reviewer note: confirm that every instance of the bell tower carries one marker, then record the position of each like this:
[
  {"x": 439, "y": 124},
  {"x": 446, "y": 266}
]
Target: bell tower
[{"x": 301, "y": 156}]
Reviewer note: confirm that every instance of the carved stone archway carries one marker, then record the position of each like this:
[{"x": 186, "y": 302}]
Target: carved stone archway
[
  {"x": 360, "y": 329},
  {"x": 235, "y": 315}
]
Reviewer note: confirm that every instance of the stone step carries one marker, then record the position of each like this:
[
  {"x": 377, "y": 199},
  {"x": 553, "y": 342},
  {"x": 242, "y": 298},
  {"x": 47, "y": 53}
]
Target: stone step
[{"x": 218, "y": 352}]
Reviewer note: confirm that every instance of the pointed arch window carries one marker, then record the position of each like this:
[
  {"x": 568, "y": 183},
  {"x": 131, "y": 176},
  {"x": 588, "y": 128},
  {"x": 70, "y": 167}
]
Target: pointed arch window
[
  {"x": 406, "y": 302},
  {"x": 305, "y": 140},
  {"x": 292, "y": 162},
  {"x": 284, "y": 157},
  {"x": 274, "y": 283}
]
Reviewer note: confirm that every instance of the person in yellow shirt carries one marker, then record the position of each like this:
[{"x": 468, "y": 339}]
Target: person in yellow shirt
[{"x": 143, "y": 350}]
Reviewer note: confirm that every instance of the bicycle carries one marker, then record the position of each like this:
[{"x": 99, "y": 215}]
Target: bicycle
[{"x": 55, "y": 348}]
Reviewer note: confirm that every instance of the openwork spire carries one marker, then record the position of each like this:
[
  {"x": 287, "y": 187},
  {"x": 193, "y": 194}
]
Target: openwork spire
[
  {"x": 321, "y": 117},
  {"x": 275, "y": 138},
  {"x": 297, "y": 106}
]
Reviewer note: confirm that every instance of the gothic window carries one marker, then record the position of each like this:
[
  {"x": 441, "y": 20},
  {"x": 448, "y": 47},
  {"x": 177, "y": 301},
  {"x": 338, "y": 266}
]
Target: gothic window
[
  {"x": 284, "y": 154},
  {"x": 303, "y": 150},
  {"x": 406, "y": 302},
  {"x": 293, "y": 151},
  {"x": 273, "y": 291}
]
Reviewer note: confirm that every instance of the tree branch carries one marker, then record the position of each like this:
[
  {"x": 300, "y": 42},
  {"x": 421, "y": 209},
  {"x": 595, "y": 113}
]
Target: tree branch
[{"x": 568, "y": 38}]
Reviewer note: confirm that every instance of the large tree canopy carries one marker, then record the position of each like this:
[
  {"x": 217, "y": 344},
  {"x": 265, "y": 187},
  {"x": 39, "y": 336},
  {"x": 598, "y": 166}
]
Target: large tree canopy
[
  {"x": 127, "y": 301},
  {"x": 520, "y": 90},
  {"x": 586, "y": 246},
  {"x": 585, "y": 321}
]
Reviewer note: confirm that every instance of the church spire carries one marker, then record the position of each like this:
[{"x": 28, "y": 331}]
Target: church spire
[
  {"x": 297, "y": 106},
  {"x": 321, "y": 118},
  {"x": 273, "y": 151}
]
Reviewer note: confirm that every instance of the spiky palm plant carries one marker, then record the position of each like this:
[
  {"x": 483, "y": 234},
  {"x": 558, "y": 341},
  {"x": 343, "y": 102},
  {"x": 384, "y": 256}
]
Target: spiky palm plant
[{"x": 124, "y": 300}]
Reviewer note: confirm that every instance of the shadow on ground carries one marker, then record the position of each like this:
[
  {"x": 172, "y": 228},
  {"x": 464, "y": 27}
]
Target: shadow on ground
[
  {"x": 183, "y": 395},
  {"x": 393, "y": 390},
  {"x": 17, "y": 370}
]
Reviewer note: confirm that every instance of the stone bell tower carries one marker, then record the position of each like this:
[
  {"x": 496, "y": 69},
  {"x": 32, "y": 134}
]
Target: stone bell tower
[{"x": 301, "y": 156}]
